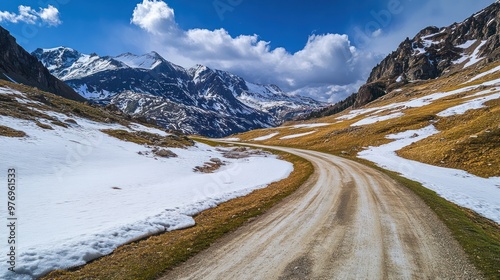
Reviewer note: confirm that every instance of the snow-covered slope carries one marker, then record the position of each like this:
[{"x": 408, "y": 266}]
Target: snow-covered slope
[
  {"x": 221, "y": 96},
  {"x": 147, "y": 61},
  {"x": 87, "y": 192},
  {"x": 67, "y": 64}
]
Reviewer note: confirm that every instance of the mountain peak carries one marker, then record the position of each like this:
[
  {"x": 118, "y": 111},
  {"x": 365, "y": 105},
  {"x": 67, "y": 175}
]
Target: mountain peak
[
  {"x": 146, "y": 61},
  {"x": 155, "y": 54}
]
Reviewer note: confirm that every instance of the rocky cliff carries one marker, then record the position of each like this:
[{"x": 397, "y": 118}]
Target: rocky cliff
[
  {"x": 17, "y": 65},
  {"x": 433, "y": 52}
]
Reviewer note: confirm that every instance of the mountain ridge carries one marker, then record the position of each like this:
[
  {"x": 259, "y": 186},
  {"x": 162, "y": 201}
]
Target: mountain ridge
[
  {"x": 432, "y": 53},
  {"x": 18, "y": 66},
  {"x": 148, "y": 86}
]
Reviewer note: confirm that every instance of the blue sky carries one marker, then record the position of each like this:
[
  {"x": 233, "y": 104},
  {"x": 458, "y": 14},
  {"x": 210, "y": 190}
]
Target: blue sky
[{"x": 324, "y": 49}]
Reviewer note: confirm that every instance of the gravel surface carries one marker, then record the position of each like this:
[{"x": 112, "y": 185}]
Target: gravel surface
[{"x": 347, "y": 222}]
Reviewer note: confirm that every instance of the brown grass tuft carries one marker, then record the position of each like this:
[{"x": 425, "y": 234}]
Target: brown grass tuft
[{"x": 10, "y": 132}]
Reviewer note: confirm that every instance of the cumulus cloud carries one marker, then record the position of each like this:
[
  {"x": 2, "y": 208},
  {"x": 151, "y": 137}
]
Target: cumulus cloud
[
  {"x": 328, "y": 67},
  {"x": 155, "y": 17},
  {"x": 49, "y": 16}
]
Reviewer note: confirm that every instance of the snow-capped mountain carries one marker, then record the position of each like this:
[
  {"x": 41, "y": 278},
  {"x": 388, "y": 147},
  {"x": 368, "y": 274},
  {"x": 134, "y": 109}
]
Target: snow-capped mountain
[{"x": 199, "y": 100}]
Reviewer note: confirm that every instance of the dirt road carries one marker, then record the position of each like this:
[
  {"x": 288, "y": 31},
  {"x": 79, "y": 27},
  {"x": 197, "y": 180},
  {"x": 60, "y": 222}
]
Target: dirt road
[{"x": 347, "y": 222}]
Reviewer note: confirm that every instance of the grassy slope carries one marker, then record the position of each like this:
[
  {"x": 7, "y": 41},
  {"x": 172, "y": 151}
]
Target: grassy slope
[
  {"x": 470, "y": 142},
  {"x": 453, "y": 147}
]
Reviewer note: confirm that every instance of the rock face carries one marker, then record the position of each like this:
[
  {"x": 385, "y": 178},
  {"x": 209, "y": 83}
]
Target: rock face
[
  {"x": 199, "y": 100},
  {"x": 18, "y": 66},
  {"x": 436, "y": 50},
  {"x": 430, "y": 54}
]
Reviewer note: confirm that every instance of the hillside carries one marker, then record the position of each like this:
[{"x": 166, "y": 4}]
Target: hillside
[
  {"x": 447, "y": 127},
  {"x": 90, "y": 180},
  {"x": 18, "y": 66},
  {"x": 433, "y": 52}
]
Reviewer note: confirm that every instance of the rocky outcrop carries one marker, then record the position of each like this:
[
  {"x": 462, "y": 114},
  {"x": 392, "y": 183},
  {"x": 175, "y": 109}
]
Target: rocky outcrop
[
  {"x": 430, "y": 54},
  {"x": 435, "y": 50},
  {"x": 19, "y": 66}
]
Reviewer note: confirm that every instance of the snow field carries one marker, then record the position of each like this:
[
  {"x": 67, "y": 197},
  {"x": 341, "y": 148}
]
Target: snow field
[
  {"x": 82, "y": 193},
  {"x": 467, "y": 190}
]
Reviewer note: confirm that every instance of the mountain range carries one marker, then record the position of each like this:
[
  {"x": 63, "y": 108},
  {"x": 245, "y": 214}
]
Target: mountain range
[{"x": 198, "y": 100}]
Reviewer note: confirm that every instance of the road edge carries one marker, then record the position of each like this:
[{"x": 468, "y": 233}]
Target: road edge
[
  {"x": 151, "y": 257},
  {"x": 478, "y": 236}
]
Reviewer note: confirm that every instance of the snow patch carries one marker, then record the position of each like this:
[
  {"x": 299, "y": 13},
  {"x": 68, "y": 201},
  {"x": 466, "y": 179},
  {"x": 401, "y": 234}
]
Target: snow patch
[
  {"x": 476, "y": 103},
  {"x": 374, "y": 119},
  {"x": 297, "y": 135},
  {"x": 474, "y": 57},
  {"x": 476, "y": 193},
  {"x": 494, "y": 70},
  {"x": 231, "y": 139},
  {"x": 88, "y": 193},
  {"x": 266, "y": 137},
  {"x": 467, "y": 44}
]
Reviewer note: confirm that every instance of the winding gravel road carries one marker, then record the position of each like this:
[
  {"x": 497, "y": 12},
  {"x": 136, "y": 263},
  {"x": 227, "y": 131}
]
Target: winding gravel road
[{"x": 347, "y": 222}]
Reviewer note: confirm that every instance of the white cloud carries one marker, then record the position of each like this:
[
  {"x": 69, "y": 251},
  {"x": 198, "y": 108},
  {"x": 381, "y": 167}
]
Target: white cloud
[
  {"x": 377, "y": 33},
  {"x": 49, "y": 16},
  {"x": 27, "y": 14},
  {"x": 8, "y": 17},
  {"x": 327, "y": 67},
  {"x": 154, "y": 16}
]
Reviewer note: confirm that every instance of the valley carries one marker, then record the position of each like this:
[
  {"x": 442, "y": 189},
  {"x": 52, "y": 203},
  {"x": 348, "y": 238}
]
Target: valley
[
  {"x": 347, "y": 221},
  {"x": 433, "y": 123},
  {"x": 130, "y": 166}
]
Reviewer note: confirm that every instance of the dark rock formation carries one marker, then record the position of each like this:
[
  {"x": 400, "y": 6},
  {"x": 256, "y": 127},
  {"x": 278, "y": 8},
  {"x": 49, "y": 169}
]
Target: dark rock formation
[{"x": 19, "y": 66}]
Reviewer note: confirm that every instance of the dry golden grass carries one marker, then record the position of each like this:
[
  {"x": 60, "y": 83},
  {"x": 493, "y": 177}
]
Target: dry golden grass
[
  {"x": 44, "y": 126},
  {"x": 453, "y": 147},
  {"x": 145, "y": 138},
  {"x": 149, "y": 258},
  {"x": 10, "y": 132},
  {"x": 470, "y": 142}
]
